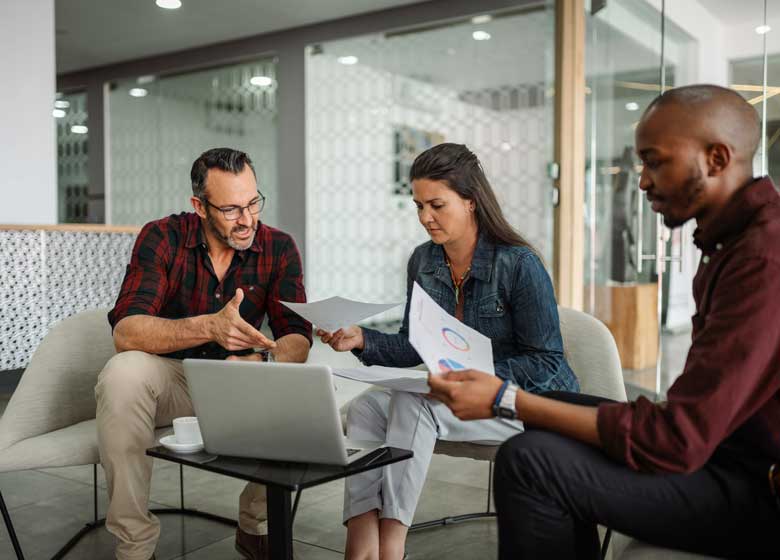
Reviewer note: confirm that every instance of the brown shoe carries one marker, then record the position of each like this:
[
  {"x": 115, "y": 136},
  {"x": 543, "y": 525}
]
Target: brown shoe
[{"x": 252, "y": 547}]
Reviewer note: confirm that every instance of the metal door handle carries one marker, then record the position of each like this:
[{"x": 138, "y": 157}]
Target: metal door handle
[
  {"x": 660, "y": 258},
  {"x": 640, "y": 256}
]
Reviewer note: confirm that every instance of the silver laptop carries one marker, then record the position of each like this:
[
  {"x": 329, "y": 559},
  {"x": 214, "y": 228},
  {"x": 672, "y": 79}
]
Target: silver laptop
[{"x": 281, "y": 412}]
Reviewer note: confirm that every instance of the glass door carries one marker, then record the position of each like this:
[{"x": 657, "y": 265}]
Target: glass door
[
  {"x": 74, "y": 203},
  {"x": 637, "y": 272}
]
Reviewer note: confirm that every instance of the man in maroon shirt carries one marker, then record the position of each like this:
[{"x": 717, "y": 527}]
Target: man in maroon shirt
[
  {"x": 198, "y": 285},
  {"x": 694, "y": 472}
]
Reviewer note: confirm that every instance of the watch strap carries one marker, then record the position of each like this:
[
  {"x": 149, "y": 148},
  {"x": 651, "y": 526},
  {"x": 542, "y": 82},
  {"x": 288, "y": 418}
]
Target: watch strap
[
  {"x": 500, "y": 394},
  {"x": 508, "y": 405}
]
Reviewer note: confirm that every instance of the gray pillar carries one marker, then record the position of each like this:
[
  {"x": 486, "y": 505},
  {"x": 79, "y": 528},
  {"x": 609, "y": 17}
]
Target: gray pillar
[
  {"x": 291, "y": 142},
  {"x": 98, "y": 143}
]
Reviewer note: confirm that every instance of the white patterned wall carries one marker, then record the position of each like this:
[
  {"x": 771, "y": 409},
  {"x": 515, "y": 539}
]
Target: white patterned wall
[
  {"x": 153, "y": 140},
  {"x": 359, "y": 233},
  {"x": 22, "y": 313},
  {"x": 47, "y": 276}
]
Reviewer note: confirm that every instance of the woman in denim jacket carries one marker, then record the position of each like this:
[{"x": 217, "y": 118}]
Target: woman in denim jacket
[{"x": 479, "y": 269}]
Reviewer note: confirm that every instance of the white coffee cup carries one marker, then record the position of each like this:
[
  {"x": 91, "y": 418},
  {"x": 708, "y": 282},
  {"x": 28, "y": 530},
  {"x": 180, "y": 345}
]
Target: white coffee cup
[{"x": 187, "y": 430}]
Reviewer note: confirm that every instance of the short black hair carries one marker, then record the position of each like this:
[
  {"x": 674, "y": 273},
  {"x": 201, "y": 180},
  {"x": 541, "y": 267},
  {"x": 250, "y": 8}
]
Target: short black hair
[
  {"x": 226, "y": 159},
  {"x": 738, "y": 118}
]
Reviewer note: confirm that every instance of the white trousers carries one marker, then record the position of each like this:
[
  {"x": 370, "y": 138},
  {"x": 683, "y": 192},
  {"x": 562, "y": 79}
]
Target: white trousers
[{"x": 407, "y": 421}]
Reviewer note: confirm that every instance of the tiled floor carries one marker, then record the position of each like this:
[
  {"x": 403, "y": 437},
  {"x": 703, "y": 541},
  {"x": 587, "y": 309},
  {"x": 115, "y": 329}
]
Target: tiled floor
[{"x": 49, "y": 505}]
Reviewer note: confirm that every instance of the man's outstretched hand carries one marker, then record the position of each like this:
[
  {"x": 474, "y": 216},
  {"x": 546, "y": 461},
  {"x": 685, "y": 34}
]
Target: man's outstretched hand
[
  {"x": 469, "y": 393},
  {"x": 230, "y": 331}
]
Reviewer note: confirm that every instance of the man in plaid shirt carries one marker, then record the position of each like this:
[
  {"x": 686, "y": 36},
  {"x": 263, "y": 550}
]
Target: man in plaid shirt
[{"x": 198, "y": 285}]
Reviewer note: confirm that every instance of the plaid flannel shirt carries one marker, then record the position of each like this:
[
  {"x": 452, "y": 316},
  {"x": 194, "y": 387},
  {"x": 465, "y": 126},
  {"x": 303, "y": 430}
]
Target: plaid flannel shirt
[{"x": 170, "y": 275}]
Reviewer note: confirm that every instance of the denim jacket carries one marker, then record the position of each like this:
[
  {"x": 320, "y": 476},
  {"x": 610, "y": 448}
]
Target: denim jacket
[{"x": 508, "y": 297}]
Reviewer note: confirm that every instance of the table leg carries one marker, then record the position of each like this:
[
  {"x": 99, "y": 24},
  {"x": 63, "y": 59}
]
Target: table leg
[{"x": 279, "y": 523}]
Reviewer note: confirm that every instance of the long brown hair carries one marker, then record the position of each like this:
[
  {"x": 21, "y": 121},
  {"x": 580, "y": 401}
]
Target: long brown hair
[{"x": 460, "y": 169}]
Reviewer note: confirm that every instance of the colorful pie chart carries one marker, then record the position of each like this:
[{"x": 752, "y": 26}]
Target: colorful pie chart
[
  {"x": 455, "y": 340},
  {"x": 446, "y": 364}
]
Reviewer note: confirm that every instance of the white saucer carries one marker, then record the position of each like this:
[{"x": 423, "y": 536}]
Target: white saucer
[{"x": 169, "y": 442}]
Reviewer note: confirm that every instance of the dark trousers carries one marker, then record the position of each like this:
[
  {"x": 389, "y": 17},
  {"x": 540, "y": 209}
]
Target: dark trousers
[{"x": 551, "y": 492}]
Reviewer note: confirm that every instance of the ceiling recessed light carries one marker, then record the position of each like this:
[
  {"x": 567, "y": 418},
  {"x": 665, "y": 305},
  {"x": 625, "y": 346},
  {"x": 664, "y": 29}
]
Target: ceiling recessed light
[
  {"x": 58, "y": 113},
  {"x": 79, "y": 129},
  {"x": 480, "y": 35},
  {"x": 146, "y": 79},
  {"x": 169, "y": 4},
  {"x": 348, "y": 60},
  {"x": 763, "y": 29},
  {"x": 506, "y": 146},
  {"x": 138, "y": 92},
  {"x": 632, "y": 106},
  {"x": 262, "y": 81},
  {"x": 451, "y": 51},
  {"x": 484, "y": 18},
  {"x": 62, "y": 104}
]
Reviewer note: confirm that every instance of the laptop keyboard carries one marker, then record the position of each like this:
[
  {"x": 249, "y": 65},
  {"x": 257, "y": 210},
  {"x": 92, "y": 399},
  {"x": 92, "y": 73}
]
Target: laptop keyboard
[{"x": 351, "y": 452}]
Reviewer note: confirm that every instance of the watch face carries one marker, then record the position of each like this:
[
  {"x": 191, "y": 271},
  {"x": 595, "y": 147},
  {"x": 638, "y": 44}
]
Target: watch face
[{"x": 506, "y": 413}]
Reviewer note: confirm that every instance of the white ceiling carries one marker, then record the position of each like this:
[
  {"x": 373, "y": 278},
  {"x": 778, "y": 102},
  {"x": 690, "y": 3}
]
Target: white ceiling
[
  {"x": 518, "y": 52},
  {"x": 731, "y": 12},
  {"x": 97, "y": 32}
]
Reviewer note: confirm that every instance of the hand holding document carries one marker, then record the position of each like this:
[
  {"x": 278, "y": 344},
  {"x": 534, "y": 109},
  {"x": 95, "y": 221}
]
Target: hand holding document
[
  {"x": 336, "y": 312},
  {"x": 444, "y": 343}
]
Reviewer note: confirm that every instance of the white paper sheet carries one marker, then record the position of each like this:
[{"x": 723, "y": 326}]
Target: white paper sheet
[
  {"x": 443, "y": 342},
  {"x": 398, "y": 379},
  {"x": 336, "y": 312}
]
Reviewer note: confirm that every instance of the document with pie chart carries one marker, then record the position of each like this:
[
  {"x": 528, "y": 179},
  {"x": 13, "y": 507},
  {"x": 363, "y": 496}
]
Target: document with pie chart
[{"x": 444, "y": 343}]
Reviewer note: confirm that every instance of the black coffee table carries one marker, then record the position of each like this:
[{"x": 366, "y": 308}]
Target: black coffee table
[{"x": 281, "y": 479}]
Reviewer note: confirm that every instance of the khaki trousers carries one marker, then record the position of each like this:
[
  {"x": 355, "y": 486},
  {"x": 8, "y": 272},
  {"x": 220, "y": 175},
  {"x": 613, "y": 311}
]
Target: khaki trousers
[{"x": 137, "y": 392}]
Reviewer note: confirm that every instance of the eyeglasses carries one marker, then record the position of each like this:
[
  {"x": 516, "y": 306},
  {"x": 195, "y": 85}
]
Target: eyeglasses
[{"x": 233, "y": 213}]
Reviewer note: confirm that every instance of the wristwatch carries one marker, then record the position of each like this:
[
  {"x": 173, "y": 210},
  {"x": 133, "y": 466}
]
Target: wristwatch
[{"x": 504, "y": 405}]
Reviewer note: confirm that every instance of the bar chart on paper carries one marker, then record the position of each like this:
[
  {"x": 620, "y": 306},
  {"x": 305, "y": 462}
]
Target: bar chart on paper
[{"x": 444, "y": 343}]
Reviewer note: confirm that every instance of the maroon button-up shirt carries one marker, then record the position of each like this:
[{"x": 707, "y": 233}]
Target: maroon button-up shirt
[
  {"x": 170, "y": 275},
  {"x": 729, "y": 391}
]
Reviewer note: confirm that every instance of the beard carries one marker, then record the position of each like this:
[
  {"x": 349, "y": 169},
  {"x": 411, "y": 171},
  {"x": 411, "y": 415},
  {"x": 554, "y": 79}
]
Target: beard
[
  {"x": 690, "y": 193},
  {"x": 227, "y": 239}
]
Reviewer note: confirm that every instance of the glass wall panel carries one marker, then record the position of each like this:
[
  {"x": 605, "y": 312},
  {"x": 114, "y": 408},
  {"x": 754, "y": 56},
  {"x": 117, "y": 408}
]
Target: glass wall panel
[
  {"x": 159, "y": 125},
  {"x": 70, "y": 115},
  {"x": 375, "y": 102},
  {"x": 747, "y": 77},
  {"x": 626, "y": 244},
  {"x": 756, "y": 76}
]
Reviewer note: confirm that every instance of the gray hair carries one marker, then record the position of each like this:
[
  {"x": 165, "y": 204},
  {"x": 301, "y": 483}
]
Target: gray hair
[{"x": 226, "y": 159}]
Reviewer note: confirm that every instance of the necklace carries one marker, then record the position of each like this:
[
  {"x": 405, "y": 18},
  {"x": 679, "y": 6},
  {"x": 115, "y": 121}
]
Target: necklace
[{"x": 457, "y": 282}]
